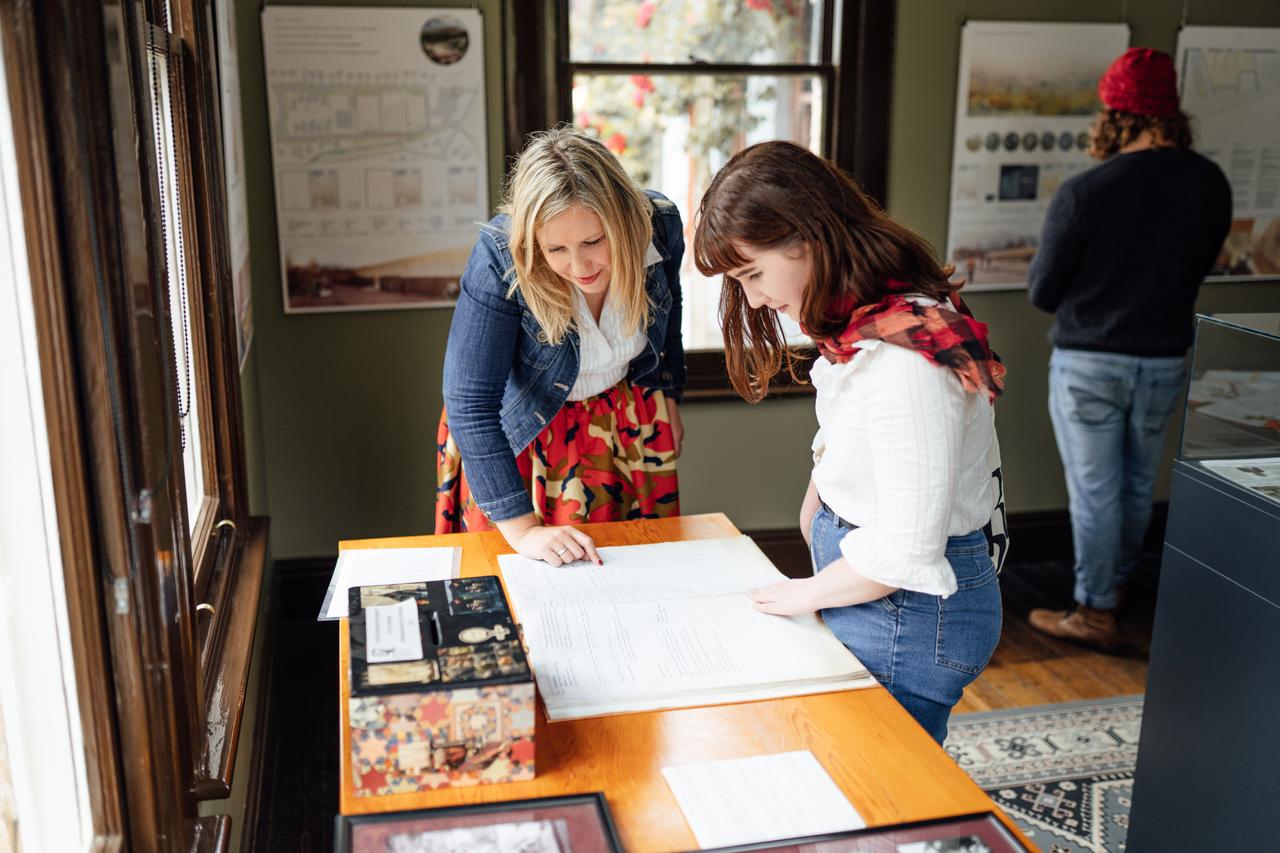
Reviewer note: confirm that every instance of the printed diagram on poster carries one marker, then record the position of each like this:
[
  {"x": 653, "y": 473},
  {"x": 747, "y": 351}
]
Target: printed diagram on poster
[
  {"x": 1229, "y": 80},
  {"x": 379, "y": 153},
  {"x": 1026, "y": 96},
  {"x": 233, "y": 167}
]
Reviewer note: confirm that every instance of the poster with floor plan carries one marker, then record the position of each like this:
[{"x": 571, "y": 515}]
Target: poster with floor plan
[
  {"x": 1229, "y": 81},
  {"x": 1026, "y": 95},
  {"x": 379, "y": 150}
]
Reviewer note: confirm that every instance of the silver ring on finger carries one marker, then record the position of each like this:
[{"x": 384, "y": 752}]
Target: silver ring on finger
[{"x": 560, "y": 553}]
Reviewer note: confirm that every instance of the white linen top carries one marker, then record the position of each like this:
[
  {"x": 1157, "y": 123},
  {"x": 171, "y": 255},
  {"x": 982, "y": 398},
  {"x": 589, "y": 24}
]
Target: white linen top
[
  {"x": 606, "y": 350},
  {"x": 907, "y": 455}
]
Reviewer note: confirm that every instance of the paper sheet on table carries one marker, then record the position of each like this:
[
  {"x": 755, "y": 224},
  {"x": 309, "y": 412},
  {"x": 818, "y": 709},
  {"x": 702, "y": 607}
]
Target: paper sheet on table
[
  {"x": 765, "y": 797},
  {"x": 654, "y": 572},
  {"x": 376, "y": 566},
  {"x": 654, "y": 648},
  {"x": 668, "y": 625}
]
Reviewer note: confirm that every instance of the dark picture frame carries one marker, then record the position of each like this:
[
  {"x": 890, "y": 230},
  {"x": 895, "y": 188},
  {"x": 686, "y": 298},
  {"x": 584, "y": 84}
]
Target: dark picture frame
[
  {"x": 588, "y": 824},
  {"x": 925, "y": 836}
]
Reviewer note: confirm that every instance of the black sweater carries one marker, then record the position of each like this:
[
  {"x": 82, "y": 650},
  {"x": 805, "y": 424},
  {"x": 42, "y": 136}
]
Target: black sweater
[{"x": 1124, "y": 248}]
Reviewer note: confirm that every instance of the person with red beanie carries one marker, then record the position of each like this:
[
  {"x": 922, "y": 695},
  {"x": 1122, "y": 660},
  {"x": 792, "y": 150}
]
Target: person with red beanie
[{"x": 1124, "y": 248}]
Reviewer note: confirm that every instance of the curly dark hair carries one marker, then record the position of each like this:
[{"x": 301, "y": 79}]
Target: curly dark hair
[{"x": 1114, "y": 129}]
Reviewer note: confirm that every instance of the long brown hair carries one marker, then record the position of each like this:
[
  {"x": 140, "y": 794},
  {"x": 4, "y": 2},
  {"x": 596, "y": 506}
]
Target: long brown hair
[
  {"x": 1114, "y": 129},
  {"x": 779, "y": 195}
]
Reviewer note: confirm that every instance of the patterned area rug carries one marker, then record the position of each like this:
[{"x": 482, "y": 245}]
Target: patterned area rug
[{"x": 1064, "y": 773}]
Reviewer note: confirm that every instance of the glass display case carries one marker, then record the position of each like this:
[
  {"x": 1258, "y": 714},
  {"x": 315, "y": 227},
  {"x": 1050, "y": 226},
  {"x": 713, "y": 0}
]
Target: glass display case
[
  {"x": 1214, "y": 674},
  {"x": 1232, "y": 422}
]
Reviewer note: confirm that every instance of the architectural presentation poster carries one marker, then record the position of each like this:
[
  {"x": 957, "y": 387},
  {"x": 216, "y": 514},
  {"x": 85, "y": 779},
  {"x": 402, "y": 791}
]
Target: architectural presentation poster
[
  {"x": 1026, "y": 95},
  {"x": 1230, "y": 86},
  {"x": 233, "y": 165},
  {"x": 378, "y": 149}
]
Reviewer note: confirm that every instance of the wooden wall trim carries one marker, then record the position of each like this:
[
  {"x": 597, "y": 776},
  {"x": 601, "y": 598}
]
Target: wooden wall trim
[
  {"x": 1034, "y": 536},
  {"x": 224, "y": 715},
  {"x": 210, "y": 834}
]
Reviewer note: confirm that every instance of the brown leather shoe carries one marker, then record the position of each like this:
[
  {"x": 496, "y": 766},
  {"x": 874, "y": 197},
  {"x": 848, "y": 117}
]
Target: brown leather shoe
[{"x": 1083, "y": 625}]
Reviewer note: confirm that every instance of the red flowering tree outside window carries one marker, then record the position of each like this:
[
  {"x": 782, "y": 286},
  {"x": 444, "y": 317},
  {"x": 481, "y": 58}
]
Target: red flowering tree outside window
[{"x": 675, "y": 88}]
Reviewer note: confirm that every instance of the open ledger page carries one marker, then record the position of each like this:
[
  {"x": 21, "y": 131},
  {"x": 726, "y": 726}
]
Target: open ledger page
[{"x": 666, "y": 626}]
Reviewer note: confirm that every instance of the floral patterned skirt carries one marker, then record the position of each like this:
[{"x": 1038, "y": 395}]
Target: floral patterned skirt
[{"x": 610, "y": 457}]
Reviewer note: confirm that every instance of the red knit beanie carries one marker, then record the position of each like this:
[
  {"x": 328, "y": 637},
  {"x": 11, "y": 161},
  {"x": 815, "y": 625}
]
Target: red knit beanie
[{"x": 1142, "y": 81}]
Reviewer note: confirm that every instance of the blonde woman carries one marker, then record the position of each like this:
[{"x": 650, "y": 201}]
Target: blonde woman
[{"x": 565, "y": 366}]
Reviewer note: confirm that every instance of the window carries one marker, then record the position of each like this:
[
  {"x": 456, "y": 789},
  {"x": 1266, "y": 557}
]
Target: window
[
  {"x": 120, "y": 175},
  {"x": 185, "y": 317},
  {"x": 677, "y": 87}
]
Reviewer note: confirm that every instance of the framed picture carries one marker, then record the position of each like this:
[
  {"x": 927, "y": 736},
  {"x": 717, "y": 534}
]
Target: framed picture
[
  {"x": 576, "y": 824},
  {"x": 975, "y": 833}
]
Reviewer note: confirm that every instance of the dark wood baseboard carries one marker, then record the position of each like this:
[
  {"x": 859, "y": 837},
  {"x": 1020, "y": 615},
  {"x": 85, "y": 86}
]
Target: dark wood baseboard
[
  {"x": 785, "y": 548},
  {"x": 1038, "y": 536},
  {"x": 257, "y": 793},
  {"x": 292, "y": 793},
  {"x": 299, "y": 566},
  {"x": 1045, "y": 535}
]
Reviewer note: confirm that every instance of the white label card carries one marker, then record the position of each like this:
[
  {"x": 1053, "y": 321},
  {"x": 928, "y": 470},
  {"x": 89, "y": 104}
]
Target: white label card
[{"x": 391, "y": 632}]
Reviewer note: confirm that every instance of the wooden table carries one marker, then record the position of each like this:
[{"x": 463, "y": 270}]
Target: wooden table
[{"x": 890, "y": 769}]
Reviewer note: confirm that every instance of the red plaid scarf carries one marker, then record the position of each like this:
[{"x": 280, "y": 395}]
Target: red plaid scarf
[{"x": 950, "y": 338}]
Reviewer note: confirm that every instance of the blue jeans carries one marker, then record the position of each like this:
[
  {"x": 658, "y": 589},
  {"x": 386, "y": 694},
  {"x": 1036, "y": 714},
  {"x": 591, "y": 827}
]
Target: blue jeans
[
  {"x": 923, "y": 648},
  {"x": 1109, "y": 413}
]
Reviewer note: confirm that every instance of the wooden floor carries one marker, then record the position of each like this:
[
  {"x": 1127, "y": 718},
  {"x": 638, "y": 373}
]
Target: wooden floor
[{"x": 1030, "y": 668}]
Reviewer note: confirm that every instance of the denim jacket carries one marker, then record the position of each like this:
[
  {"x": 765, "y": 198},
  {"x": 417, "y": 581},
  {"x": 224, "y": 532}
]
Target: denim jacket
[{"x": 502, "y": 385}]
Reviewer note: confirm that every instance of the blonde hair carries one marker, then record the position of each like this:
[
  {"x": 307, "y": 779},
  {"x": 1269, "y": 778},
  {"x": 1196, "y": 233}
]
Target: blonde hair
[{"x": 558, "y": 169}]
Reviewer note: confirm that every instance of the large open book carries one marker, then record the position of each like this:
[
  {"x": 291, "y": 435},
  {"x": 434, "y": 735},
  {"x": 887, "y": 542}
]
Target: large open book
[{"x": 668, "y": 626}]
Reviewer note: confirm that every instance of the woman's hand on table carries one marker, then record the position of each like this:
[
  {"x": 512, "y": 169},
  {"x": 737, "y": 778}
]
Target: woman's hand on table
[
  {"x": 555, "y": 545},
  {"x": 785, "y": 598}
]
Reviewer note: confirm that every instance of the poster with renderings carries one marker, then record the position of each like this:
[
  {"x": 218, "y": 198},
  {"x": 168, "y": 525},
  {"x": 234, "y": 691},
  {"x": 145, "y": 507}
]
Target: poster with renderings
[
  {"x": 1229, "y": 82},
  {"x": 1026, "y": 95}
]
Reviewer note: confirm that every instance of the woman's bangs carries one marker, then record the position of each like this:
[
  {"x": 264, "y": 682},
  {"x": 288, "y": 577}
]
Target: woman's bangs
[{"x": 716, "y": 250}]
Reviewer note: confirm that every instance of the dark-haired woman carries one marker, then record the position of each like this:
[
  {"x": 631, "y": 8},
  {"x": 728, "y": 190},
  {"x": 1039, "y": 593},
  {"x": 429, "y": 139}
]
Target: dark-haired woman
[{"x": 904, "y": 512}]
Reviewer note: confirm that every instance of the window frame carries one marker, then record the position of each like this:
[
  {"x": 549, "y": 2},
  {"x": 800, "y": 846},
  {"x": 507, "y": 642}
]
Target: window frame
[
  {"x": 823, "y": 68},
  {"x": 161, "y": 686},
  {"x": 855, "y": 63},
  {"x": 227, "y": 545},
  {"x": 203, "y": 553}
]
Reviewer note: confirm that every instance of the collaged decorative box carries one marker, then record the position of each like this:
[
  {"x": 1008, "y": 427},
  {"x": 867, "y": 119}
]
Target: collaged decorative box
[{"x": 451, "y": 706}]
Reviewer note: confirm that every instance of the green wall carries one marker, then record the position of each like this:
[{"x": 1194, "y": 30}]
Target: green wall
[
  {"x": 347, "y": 403},
  {"x": 926, "y": 59}
]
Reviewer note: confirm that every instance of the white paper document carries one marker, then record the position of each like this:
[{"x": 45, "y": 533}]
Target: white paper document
[
  {"x": 393, "y": 632},
  {"x": 668, "y": 626},
  {"x": 376, "y": 566},
  {"x": 765, "y": 797},
  {"x": 1260, "y": 475}
]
